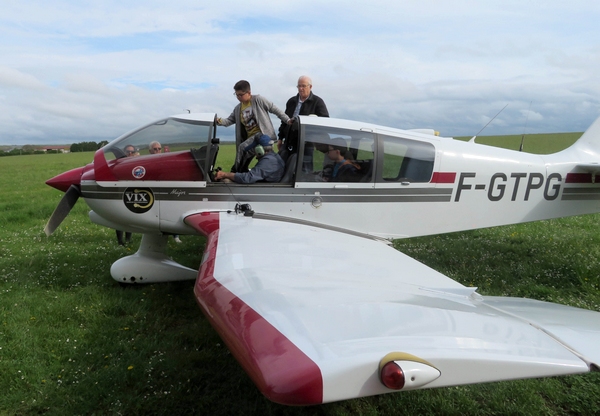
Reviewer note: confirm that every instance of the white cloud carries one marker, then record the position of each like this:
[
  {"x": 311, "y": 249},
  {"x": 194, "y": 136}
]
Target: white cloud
[
  {"x": 15, "y": 79},
  {"x": 71, "y": 71}
]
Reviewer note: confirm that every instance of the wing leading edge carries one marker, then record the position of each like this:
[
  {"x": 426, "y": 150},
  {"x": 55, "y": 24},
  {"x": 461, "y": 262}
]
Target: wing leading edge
[{"x": 310, "y": 313}]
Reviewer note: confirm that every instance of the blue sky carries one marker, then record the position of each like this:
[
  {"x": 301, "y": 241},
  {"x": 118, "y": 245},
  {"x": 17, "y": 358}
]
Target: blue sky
[{"x": 70, "y": 71}]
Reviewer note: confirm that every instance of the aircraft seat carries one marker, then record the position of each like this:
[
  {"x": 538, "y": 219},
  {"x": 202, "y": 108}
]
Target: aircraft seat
[
  {"x": 290, "y": 169},
  {"x": 366, "y": 170}
]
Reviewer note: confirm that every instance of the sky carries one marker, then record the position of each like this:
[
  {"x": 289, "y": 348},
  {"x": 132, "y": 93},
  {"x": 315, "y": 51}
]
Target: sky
[{"x": 73, "y": 71}]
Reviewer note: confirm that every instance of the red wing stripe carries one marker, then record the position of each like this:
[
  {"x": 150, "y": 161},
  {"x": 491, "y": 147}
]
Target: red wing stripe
[{"x": 282, "y": 372}]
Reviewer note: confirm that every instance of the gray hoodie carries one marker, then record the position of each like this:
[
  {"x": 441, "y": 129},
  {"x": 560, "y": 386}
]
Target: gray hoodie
[{"x": 261, "y": 107}]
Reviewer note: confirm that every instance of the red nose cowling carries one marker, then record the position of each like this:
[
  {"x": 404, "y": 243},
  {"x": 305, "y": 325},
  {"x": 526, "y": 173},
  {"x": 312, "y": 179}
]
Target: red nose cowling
[{"x": 63, "y": 181}]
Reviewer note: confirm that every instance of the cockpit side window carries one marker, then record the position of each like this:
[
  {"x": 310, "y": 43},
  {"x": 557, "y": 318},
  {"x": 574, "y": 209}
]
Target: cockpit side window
[
  {"x": 322, "y": 145},
  {"x": 406, "y": 160}
]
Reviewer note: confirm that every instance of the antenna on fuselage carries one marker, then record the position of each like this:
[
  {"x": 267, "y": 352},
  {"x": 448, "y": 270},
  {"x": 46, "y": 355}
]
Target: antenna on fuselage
[
  {"x": 488, "y": 123},
  {"x": 526, "y": 121}
]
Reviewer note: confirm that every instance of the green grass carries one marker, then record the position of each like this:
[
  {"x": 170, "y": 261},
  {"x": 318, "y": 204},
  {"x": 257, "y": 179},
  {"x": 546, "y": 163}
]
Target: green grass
[
  {"x": 544, "y": 143},
  {"x": 72, "y": 341}
]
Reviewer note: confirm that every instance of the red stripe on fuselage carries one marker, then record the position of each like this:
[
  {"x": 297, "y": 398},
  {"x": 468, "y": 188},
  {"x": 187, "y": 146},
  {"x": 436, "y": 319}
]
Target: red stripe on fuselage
[
  {"x": 578, "y": 178},
  {"x": 281, "y": 371},
  {"x": 443, "y": 177}
]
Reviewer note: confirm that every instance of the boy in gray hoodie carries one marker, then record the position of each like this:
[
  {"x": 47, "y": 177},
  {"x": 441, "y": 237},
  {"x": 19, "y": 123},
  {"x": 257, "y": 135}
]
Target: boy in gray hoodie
[{"x": 251, "y": 118}]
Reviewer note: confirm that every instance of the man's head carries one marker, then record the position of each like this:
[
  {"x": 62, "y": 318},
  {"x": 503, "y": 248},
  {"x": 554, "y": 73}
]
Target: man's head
[
  {"x": 304, "y": 87},
  {"x": 264, "y": 145},
  {"x": 242, "y": 91},
  {"x": 130, "y": 150},
  {"x": 154, "y": 148},
  {"x": 337, "y": 148}
]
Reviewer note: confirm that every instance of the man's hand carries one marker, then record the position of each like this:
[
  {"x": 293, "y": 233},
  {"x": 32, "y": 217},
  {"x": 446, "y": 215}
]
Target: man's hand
[{"x": 224, "y": 175}]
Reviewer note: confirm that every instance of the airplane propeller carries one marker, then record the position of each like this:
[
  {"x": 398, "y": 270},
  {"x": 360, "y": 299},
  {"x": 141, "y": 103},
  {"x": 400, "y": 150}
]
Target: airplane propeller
[
  {"x": 62, "y": 209},
  {"x": 68, "y": 182}
]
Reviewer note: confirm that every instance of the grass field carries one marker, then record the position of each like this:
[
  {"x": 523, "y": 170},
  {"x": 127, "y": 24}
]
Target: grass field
[
  {"x": 72, "y": 341},
  {"x": 532, "y": 143}
]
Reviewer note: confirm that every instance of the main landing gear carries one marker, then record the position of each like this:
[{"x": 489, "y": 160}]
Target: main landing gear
[{"x": 150, "y": 264}]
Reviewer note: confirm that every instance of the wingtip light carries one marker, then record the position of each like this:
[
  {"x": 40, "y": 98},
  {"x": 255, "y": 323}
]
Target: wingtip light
[
  {"x": 392, "y": 376},
  {"x": 400, "y": 371}
]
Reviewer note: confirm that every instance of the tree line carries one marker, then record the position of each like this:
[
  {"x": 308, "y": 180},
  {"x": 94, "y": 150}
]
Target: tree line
[{"x": 87, "y": 146}]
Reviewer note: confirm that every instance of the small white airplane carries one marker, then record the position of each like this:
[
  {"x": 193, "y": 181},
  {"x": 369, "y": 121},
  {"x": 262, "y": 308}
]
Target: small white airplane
[{"x": 297, "y": 277}]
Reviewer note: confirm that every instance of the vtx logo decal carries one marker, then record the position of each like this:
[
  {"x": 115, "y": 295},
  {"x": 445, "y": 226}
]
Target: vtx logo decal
[{"x": 138, "y": 200}]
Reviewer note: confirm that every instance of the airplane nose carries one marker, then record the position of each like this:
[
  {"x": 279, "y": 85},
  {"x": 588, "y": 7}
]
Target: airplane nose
[{"x": 64, "y": 181}]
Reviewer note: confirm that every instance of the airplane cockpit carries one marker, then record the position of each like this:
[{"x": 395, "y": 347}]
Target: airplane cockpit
[{"x": 186, "y": 149}]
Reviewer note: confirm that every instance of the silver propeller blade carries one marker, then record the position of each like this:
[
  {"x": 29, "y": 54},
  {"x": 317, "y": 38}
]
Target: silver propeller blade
[{"x": 62, "y": 209}]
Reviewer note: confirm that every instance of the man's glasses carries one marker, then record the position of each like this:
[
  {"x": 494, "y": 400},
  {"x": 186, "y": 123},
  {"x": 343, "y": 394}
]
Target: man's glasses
[
  {"x": 302, "y": 86},
  {"x": 156, "y": 149},
  {"x": 241, "y": 94}
]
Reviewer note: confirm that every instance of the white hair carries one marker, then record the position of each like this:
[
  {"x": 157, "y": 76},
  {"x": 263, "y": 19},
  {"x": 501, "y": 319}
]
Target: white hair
[{"x": 307, "y": 78}]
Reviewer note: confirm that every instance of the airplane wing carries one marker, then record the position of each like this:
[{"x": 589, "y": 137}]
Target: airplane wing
[{"x": 312, "y": 315}]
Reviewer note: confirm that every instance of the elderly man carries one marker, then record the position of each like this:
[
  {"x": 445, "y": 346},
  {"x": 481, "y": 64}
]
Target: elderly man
[
  {"x": 304, "y": 103},
  {"x": 154, "y": 148},
  {"x": 269, "y": 168}
]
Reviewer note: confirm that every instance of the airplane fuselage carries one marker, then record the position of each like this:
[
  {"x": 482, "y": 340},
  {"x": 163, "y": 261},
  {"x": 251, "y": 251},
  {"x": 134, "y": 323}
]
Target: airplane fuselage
[
  {"x": 403, "y": 184},
  {"x": 463, "y": 186}
]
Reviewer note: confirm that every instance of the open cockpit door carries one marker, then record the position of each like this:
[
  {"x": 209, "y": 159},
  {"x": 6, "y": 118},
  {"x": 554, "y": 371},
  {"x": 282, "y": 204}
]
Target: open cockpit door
[{"x": 206, "y": 155}]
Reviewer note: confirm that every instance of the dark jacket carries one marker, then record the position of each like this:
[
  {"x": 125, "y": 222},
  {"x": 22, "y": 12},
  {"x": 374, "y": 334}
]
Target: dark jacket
[
  {"x": 312, "y": 105},
  {"x": 347, "y": 171}
]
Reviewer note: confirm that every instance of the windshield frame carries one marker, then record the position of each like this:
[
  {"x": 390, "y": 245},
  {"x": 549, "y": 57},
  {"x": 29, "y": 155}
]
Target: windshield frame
[{"x": 178, "y": 134}]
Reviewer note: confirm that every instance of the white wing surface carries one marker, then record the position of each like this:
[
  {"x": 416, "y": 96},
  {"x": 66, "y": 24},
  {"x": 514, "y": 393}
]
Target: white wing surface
[{"x": 311, "y": 313}]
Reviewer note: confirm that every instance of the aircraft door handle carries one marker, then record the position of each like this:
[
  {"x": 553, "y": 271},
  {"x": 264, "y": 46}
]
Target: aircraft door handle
[{"x": 340, "y": 186}]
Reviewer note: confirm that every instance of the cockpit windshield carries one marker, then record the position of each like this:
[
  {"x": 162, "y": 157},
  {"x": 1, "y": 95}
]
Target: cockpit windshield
[{"x": 169, "y": 135}]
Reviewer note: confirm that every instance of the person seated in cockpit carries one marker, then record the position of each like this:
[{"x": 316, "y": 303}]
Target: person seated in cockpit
[
  {"x": 269, "y": 168},
  {"x": 340, "y": 169},
  {"x": 154, "y": 148},
  {"x": 131, "y": 150}
]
